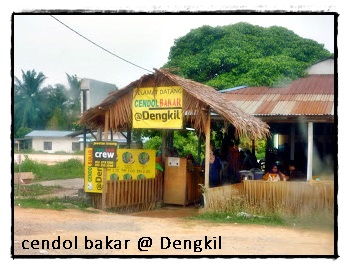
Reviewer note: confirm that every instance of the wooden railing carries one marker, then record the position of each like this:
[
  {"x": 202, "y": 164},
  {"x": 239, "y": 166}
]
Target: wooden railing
[
  {"x": 130, "y": 194},
  {"x": 133, "y": 192}
]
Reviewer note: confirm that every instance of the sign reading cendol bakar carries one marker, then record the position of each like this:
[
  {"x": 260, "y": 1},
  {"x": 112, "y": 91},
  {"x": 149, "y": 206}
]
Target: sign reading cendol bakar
[{"x": 158, "y": 108}]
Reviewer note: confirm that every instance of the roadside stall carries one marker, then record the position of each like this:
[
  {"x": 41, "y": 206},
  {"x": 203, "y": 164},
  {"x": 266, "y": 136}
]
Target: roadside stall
[{"x": 162, "y": 101}]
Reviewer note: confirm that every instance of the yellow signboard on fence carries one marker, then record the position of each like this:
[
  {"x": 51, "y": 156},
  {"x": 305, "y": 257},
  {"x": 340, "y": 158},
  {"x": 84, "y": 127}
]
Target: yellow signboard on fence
[
  {"x": 159, "y": 107},
  {"x": 135, "y": 164},
  {"x": 93, "y": 175}
]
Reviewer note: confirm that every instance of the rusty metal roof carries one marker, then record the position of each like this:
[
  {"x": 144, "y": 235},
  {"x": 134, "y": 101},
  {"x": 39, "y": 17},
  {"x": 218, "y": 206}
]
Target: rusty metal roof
[{"x": 312, "y": 95}]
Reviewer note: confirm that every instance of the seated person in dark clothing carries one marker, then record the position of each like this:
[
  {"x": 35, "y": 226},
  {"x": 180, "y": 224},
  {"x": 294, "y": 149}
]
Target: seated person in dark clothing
[
  {"x": 295, "y": 174},
  {"x": 215, "y": 168},
  {"x": 250, "y": 161}
]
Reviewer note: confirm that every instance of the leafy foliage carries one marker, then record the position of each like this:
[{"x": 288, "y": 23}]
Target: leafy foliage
[
  {"x": 51, "y": 107},
  {"x": 29, "y": 101},
  {"x": 22, "y": 131},
  {"x": 243, "y": 54},
  {"x": 184, "y": 142}
]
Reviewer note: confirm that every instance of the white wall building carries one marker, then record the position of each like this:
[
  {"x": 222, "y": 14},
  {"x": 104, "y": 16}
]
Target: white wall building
[{"x": 54, "y": 141}]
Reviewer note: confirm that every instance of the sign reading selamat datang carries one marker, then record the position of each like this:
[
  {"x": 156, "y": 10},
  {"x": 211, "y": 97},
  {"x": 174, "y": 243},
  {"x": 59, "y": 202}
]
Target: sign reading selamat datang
[{"x": 159, "y": 108}]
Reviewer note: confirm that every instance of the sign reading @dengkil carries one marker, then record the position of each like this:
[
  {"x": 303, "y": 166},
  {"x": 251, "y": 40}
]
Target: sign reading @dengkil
[
  {"x": 158, "y": 108},
  {"x": 104, "y": 154}
]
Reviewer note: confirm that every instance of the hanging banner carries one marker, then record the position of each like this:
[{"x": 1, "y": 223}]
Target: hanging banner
[
  {"x": 104, "y": 154},
  {"x": 159, "y": 107}
]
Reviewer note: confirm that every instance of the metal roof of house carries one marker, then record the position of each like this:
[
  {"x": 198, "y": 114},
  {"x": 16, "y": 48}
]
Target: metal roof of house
[
  {"x": 117, "y": 137},
  {"x": 312, "y": 95},
  {"x": 47, "y": 133}
]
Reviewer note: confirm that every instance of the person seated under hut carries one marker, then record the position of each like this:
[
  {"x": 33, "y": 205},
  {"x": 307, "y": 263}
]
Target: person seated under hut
[
  {"x": 294, "y": 173},
  {"x": 274, "y": 174}
]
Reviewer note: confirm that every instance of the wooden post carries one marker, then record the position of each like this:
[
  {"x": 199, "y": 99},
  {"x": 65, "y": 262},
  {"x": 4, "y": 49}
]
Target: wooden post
[
  {"x": 293, "y": 135},
  {"x": 253, "y": 147},
  {"x": 163, "y": 145},
  {"x": 199, "y": 148},
  {"x": 310, "y": 151},
  {"x": 207, "y": 148},
  {"x": 19, "y": 168},
  {"x": 207, "y": 152},
  {"x": 104, "y": 186}
]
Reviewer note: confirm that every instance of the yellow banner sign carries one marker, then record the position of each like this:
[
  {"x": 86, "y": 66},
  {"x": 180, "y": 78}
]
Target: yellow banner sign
[
  {"x": 159, "y": 107},
  {"x": 93, "y": 175},
  {"x": 133, "y": 164}
]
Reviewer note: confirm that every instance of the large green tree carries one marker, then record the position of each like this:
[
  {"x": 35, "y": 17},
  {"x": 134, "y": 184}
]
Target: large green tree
[
  {"x": 73, "y": 106},
  {"x": 29, "y": 101},
  {"x": 57, "y": 117},
  {"x": 50, "y": 107},
  {"x": 243, "y": 54}
]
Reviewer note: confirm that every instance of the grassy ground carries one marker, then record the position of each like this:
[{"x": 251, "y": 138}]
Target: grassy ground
[
  {"x": 38, "y": 196},
  {"x": 72, "y": 168}
]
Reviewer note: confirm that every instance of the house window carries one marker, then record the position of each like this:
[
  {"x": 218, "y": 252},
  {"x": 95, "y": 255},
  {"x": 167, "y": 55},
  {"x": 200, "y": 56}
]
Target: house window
[
  {"x": 47, "y": 145},
  {"x": 75, "y": 146}
]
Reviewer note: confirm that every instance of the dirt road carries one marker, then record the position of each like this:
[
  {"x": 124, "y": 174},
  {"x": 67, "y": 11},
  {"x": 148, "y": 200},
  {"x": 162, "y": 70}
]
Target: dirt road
[{"x": 163, "y": 232}]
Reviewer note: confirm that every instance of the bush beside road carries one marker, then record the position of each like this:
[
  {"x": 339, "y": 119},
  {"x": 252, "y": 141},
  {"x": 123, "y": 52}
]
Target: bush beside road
[{"x": 47, "y": 158}]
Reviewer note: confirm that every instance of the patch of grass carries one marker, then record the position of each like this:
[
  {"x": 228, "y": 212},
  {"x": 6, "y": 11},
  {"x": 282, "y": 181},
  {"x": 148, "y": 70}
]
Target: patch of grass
[
  {"x": 33, "y": 190},
  {"x": 318, "y": 221},
  {"x": 315, "y": 220},
  {"x": 54, "y": 203},
  {"x": 72, "y": 168},
  {"x": 240, "y": 217},
  {"x": 28, "y": 196}
]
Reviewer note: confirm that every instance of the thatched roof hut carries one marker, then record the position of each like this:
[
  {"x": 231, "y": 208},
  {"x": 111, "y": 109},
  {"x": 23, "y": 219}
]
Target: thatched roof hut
[{"x": 198, "y": 99}]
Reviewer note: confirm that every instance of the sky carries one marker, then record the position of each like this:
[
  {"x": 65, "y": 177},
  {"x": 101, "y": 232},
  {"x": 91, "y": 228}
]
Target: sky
[
  {"x": 45, "y": 45},
  {"x": 119, "y": 49}
]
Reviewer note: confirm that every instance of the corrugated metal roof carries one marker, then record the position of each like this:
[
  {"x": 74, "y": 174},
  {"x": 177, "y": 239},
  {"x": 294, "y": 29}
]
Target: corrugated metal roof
[
  {"x": 313, "y": 95},
  {"x": 46, "y": 133},
  {"x": 233, "y": 89}
]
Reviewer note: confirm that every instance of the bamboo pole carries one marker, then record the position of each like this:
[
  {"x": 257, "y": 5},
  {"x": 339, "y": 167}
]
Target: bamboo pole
[
  {"x": 310, "y": 151},
  {"x": 104, "y": 185},
  {"x": 207, "y": 150}
]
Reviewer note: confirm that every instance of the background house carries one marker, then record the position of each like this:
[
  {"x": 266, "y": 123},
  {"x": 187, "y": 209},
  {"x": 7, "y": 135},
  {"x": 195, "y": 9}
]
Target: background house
[
  {"x": 67, "y": 141},
  {"x": 301, "y": 116},
  {"x": 54, "y": 141}
]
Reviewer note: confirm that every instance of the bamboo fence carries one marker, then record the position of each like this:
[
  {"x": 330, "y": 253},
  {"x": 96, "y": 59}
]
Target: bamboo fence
[{"x": 265, "y": 196}]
